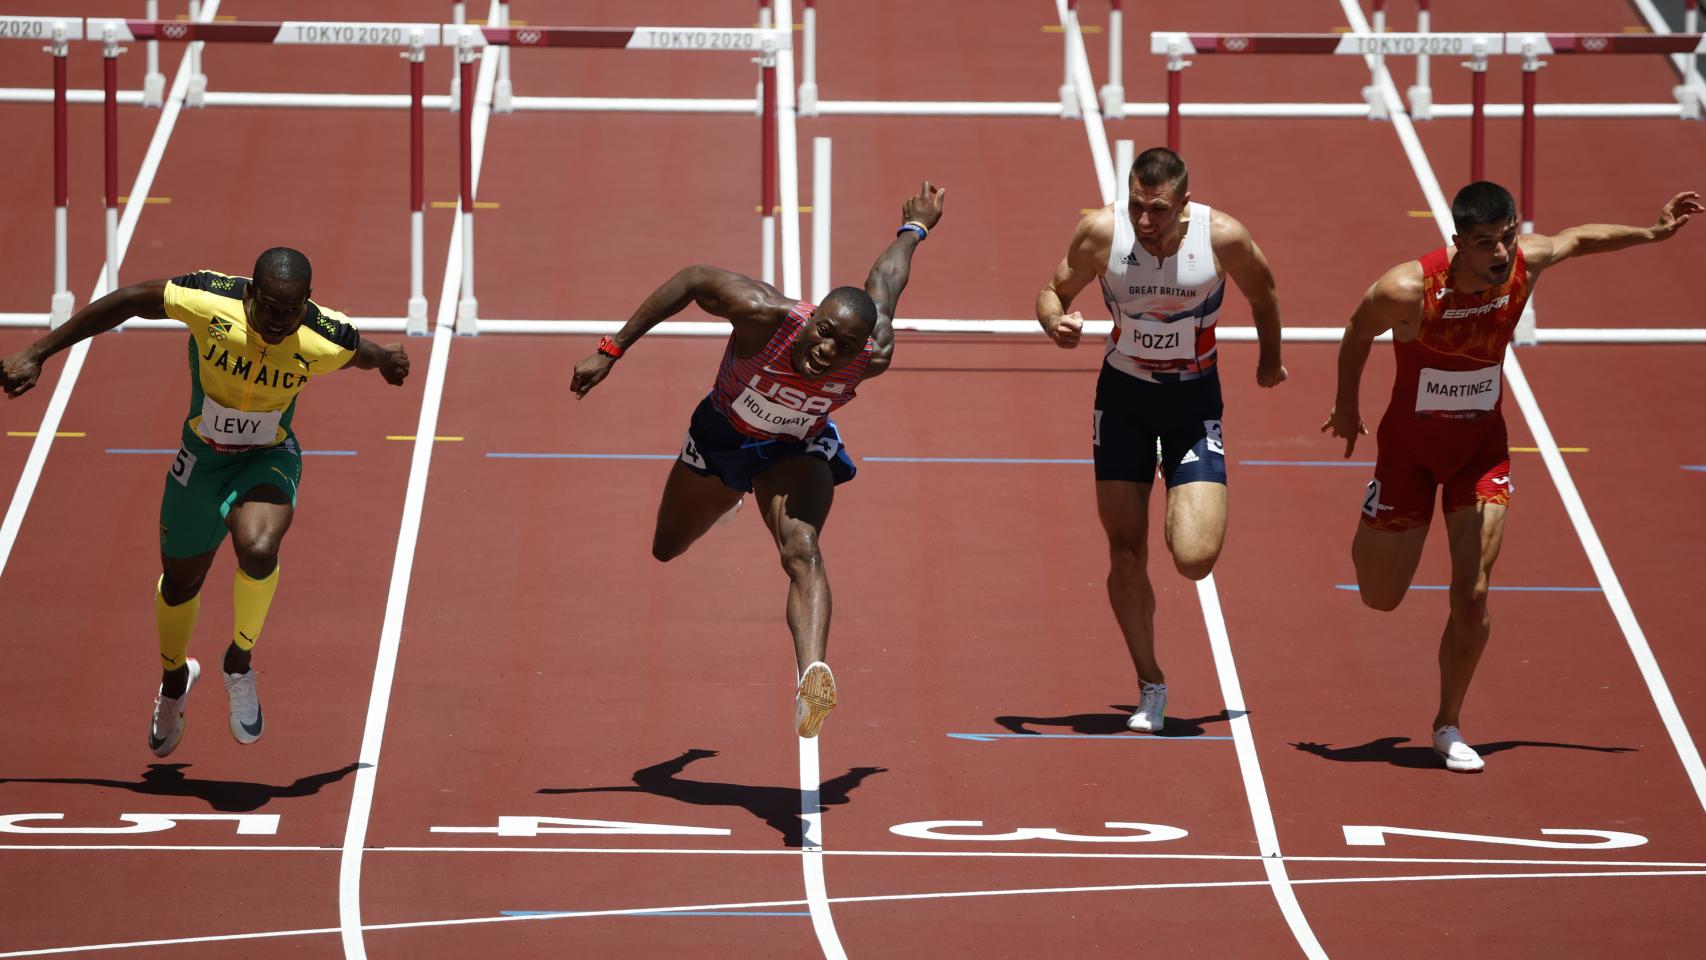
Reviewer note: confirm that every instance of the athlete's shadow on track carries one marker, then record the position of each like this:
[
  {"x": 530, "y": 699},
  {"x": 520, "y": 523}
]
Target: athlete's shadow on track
[
  {"x": 1112, "y": 724},
  {"x": 1388, "y": 750},
  {"x": 226, "y": 796},
  {"x": 777, "y": 806}
]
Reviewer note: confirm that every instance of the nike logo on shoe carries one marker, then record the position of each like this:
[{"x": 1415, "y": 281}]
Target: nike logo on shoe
[{"x": 254, "y": 729}]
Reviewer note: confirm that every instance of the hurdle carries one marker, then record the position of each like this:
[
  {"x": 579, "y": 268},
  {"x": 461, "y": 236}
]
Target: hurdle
[
  {"x": 58, "y": 32},
  {"x": 471, "y": 42}
]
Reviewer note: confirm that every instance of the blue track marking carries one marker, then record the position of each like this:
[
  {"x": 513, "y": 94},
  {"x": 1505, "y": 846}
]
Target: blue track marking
[
  {"x": 1111, "y": 737},
  {"x": 1306, "y": 463},
  {"x": 1701, "y": 467},
  {"x": 1442, "y": 586},
  {"x": 169, "y": 452}
]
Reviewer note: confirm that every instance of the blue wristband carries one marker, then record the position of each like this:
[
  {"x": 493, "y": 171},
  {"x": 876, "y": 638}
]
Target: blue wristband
[{"x": 917, "y": 228}]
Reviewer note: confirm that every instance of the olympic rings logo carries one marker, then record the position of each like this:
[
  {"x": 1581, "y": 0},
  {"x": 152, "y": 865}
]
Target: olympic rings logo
[
  {"x": 1595, "y": 44},
  {"x": 175, "y": 31},
  {"x": 1235, "y": 44},
  {"x": 527, "y": 37}
]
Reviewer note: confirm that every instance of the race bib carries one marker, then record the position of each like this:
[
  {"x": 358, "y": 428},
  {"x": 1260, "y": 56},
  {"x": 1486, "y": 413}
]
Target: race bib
[
  {"x": 773, "y": 416},
  {"x": 1157, "y": 341},
  {"x": 1457, "y": 390},
  {"x": 237, "y": 428}
]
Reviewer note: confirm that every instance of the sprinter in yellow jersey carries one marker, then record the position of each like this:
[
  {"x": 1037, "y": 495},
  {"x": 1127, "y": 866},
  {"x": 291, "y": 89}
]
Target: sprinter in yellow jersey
[{"x": 254, "y": 345}]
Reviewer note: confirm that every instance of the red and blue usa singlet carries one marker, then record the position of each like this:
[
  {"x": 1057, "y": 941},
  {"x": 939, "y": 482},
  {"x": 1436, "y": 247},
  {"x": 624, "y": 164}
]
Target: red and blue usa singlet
[{"x": 762, "y": 396}]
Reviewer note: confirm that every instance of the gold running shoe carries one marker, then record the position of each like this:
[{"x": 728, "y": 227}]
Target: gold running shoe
[{"x": 813, "y": 699}]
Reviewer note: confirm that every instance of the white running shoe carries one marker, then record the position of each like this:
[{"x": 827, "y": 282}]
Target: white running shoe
[
  {"x": 813, "y": 699},
  {"x": 1458, "y": 756},
  {"x": 1151, "y": 712},
  {"x": 167, "y": 727},
  {"x": 245, "y": 706}
]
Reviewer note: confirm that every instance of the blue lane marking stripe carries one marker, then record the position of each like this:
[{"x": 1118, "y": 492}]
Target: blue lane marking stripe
[
  {"x": 1306, "y": 463},
  {"x": 1695, "y": 466},
  {"x": 169, "y": 451},
  {"x": 580, "y": 456},
  {"x": 984, "y": 737},
  {"x": 663, "y": 913},
  {"x": 1070, "y": 460},
  {"x": 1442, "y": 586}
]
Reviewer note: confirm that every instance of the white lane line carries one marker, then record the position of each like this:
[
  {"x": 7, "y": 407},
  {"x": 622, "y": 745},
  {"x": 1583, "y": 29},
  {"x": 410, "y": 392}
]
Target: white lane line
[
  {"x": 1014, "y": 854},
  {"x": 1610, "y": 586},
  {"x": 811, "y": 851},
  {"x": 789, "y": 170},
  {"x": 74, "y": 357},
  {"x": 1091, "y": 110},
  {"x": 1255, "y": 789},
  {"x": 396, "y": 601},
  {"x": 877, "y": 898}
]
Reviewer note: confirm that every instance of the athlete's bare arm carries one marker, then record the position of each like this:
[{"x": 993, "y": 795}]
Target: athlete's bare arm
[
  {"x": 893, "y": 268},
  {"x": 391, "y": 360},
  {"x": 147, "y": 299},
  {"x": 1244, "y": 262},
  {"x": 753, "y": 308},
  {"x": 1540, "y": 251},
  {"x": 1086, "y": 259},
  {"x": 1393, "y": 303}
]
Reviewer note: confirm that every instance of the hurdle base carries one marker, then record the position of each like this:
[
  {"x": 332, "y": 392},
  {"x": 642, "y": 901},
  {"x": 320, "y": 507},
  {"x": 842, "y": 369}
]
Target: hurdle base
[
  {"x": 154, "y": 90},
  {"x": 1068, "y": 102},
  {"x": 1113, "y": 102},
  {"x": 1689, "y": 100},
  {"x": 60, "y": 311},
  {"x": 1421, "y": 103},
  {"x": 503, "y": 97},
  {"x": 1376, "y": 103},
  {"x": 467, "y": 317},
  {"x": 417, "y": 323},
  {"x": 197, "y": 95},
  {"x": 807, "y": 100}
]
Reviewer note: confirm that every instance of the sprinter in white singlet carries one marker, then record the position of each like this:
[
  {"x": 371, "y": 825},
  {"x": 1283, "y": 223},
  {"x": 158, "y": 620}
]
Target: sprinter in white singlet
[{"x": 1162, "y": 262}]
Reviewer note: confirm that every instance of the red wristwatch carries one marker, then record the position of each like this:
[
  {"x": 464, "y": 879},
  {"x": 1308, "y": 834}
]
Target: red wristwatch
[{"x": 609, "y": 347}]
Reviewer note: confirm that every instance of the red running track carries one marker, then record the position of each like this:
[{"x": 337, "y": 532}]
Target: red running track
[{"x": 546, "y": 667}]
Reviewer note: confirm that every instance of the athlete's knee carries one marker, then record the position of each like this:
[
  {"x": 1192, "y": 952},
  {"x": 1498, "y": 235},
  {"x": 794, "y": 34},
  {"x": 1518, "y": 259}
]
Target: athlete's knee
[
  {"x": 1469, "y": 601},
  {"x": 1127, "y": 553},
  {"x": 1195, "y": 565},
  {"x": 178, "y": 585},
  {"x": 1382, "y": 597},
  {"x": 257, "y": 554}
]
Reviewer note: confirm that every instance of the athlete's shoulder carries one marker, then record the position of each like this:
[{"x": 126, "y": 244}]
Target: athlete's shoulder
[
  {"x": 1401, "y": 284},
  {"x": 209, "y": 281},
  {"x": 1094, "y": 234},
  {"x": 332, "y": 326}
]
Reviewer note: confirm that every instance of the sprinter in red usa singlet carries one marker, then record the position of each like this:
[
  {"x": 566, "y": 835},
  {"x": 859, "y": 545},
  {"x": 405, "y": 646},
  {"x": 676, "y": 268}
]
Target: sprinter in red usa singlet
[
  {"x": 1452, "y": 314},
  {"x": 765, "y": 427}
]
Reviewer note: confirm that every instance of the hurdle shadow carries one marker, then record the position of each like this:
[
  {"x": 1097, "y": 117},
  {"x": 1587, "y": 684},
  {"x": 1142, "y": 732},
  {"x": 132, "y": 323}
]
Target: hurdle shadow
[
  {"x": 1390, "y": 750},
  {"x": 777, "y": 806},
  {"x": 225, "y": 796},
  {"x": 1113, "y": 724}
]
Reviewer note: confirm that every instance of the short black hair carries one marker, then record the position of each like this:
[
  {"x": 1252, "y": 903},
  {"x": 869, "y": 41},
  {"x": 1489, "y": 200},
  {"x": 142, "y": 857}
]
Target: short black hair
[
  {"x": 853, "y": 301},
  {"x": 1480, "y": 203},
  {"x": 284, "y": 263},
  {"x": 1159, "y": 166}
]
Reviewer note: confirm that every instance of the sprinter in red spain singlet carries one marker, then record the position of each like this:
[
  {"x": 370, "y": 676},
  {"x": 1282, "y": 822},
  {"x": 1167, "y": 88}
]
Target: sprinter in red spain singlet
[
  {"x": 765, "y": 427},
  {"x": 1452, "y": 314}
]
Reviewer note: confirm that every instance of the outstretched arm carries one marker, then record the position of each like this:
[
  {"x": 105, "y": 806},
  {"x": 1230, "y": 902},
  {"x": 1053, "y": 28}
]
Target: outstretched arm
[
  {"x": 1394, "y": 297},
  {"x": 1244, "y": 261},
  {"x": 1541, "y": 251},
  {"x": 744, "y": 302},
  {"x": 1085, "y": 258},
  {"x": 147, "y": 299},
  {"x": 893, "y": 269}
]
